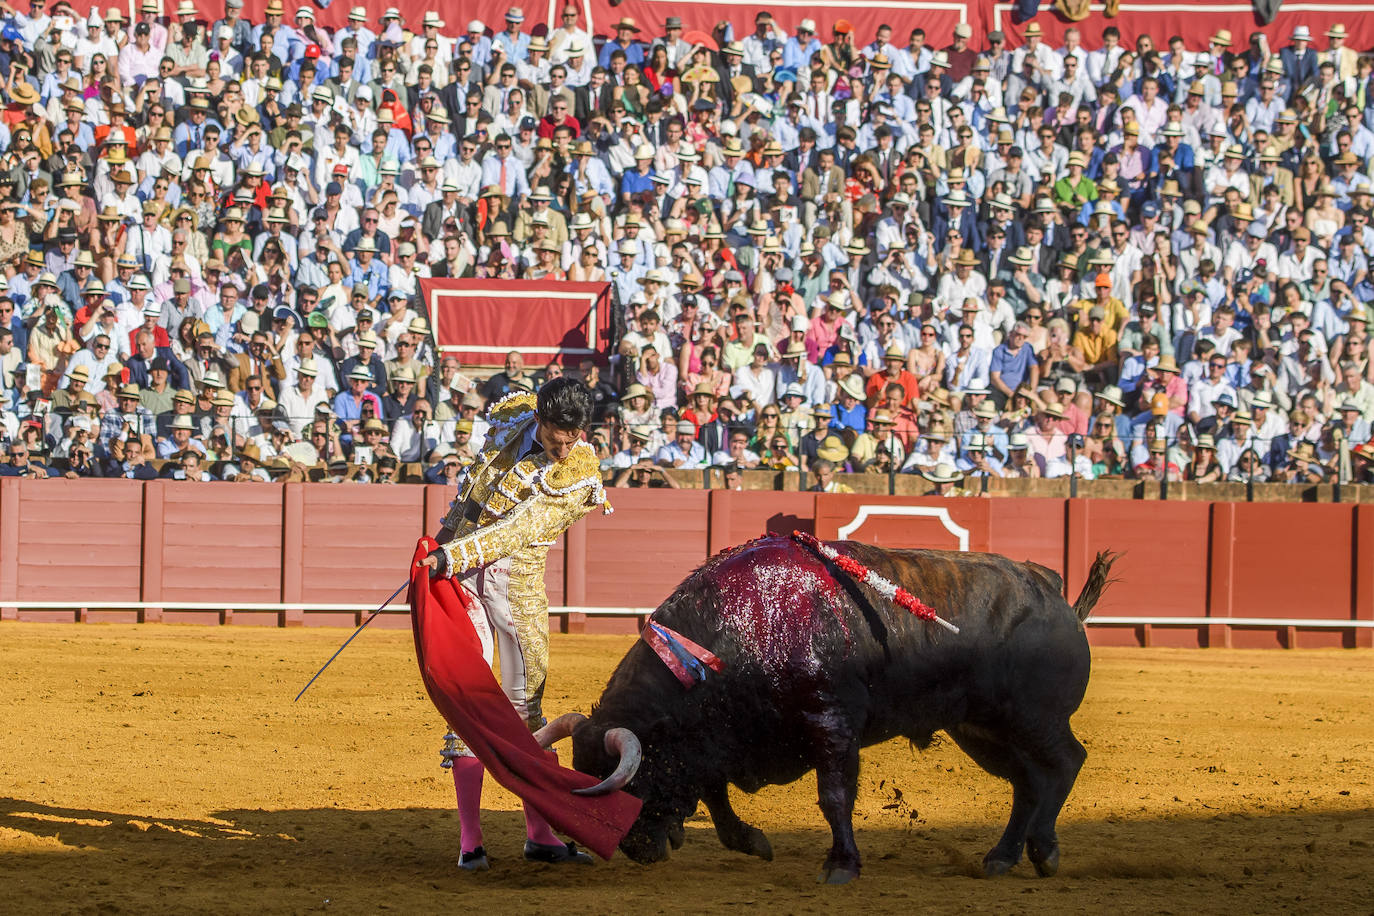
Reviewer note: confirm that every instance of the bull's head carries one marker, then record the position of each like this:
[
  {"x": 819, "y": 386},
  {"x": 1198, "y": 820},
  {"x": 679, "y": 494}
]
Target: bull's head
[{"x": 615, "y": 756}]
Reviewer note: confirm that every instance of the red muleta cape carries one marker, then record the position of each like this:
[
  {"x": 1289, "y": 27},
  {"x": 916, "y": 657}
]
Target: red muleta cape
[{"x": 468, "y": 696}]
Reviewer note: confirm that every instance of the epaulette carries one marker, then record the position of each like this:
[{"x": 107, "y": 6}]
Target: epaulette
[
  {"x": 511, "y": 406},
  {"x": 581, "y": 470},
  {"x": 580, "y": 467}
]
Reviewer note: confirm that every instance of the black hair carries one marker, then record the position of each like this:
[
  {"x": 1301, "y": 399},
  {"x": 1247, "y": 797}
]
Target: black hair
[{"x": 565, "y": 403}]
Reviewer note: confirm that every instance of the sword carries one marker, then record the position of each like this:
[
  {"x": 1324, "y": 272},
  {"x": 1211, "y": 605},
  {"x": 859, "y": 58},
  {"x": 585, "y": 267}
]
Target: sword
[{"x": 361, "y": 627}]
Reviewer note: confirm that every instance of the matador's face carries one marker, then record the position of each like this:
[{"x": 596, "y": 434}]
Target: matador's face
[{"x": 558, "y": 443}]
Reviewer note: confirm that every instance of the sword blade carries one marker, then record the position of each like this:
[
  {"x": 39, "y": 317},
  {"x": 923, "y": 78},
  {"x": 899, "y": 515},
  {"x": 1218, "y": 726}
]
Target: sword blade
[{"x": 361, "y": 627}]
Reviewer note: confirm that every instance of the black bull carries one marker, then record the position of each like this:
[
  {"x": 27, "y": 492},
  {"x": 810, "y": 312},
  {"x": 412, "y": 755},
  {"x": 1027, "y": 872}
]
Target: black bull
[{"x": 818, "y": 666}]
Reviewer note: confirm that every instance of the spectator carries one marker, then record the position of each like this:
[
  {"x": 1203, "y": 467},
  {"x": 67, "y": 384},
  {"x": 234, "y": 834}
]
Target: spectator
[{"x": 1039, "y": 222}]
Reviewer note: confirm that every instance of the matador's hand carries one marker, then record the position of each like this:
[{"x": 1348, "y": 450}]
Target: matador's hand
[{"x": 436, "y": 563}]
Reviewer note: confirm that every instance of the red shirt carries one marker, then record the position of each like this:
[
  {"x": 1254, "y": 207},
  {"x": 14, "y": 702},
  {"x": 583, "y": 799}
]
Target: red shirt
[
  {"x": 879, "y": 381},
  {"x": 547, "y": 125},
  {"x": 160, "y": 338}
]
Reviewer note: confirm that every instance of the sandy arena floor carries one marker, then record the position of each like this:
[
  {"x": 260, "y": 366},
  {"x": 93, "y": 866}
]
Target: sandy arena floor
[{"x": 162, "y": 768}]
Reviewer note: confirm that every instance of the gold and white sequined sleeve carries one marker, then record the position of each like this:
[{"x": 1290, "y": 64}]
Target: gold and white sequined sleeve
[{"x": 531, "y": 522}]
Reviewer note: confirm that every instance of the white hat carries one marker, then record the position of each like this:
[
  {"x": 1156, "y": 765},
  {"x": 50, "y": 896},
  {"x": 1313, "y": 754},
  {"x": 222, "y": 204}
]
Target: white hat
[
  {"x": 358, "y": 12},
  {"x": 1300, "y": 33},
  {"x": 944, "y": 472},
  {"x": 476, "y": 26},
  {"x": 807, "y": 25},
  {"x": 432, "y": 18}
]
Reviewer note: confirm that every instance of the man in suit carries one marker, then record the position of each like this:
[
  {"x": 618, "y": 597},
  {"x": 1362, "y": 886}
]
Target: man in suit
[
  {"x": 454, "y": 96},
  {"x": 344, "y": 85},
  {"x": 885, "y": 155},
  {"x": 440, "y": 211},
  {"x": 732, "y": 65},
  {"x": 1299, "y": 60},
  {"x": 994, "y": 258},
  {"x": 1271, "y": 173},
  {"x": 1344, "y": 58},
  {"x": 593, "y": 98},
  {"x": 821, "y": 185},
  {"x": 803, "y": 156},
  {"x": 258, "y": 363}
]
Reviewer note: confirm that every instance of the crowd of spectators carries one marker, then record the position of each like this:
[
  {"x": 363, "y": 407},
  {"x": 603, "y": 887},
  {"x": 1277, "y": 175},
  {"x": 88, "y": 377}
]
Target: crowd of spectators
[{"x": 833, "y": 252}]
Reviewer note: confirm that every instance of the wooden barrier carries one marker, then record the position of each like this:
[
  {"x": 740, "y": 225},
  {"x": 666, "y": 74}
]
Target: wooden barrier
[{"x": 1194, "y": 571}]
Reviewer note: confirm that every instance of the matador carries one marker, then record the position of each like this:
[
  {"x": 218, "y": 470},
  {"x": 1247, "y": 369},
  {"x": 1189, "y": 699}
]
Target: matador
[{"x": 534, "y": 478}]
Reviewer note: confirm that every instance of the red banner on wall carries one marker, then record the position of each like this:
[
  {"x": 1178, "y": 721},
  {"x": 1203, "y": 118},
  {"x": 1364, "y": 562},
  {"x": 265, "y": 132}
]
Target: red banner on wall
[
  {"x": 598, "y": 16},
  {"x": 1194, "y": 22},
  {"x": 1159, "y": 18},
  {"x": 479, "y": 321}
]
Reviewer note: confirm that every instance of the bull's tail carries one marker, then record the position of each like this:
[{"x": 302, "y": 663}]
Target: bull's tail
[{"x": 1099, "y": 577}]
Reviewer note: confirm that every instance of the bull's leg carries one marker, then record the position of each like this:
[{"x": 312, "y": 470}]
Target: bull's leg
[
  {"x": 837, "y": 778},
  {"x": 733, "y": 832},
  {"x": 1060, "y": 757},
  {"x": 1000, "y": 758}
]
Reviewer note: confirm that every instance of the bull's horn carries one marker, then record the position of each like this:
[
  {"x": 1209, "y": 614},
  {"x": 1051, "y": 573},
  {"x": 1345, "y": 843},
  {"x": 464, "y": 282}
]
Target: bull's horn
[
  {"x": 623, "y": 742},
  {"x": 558, "y": 729}
]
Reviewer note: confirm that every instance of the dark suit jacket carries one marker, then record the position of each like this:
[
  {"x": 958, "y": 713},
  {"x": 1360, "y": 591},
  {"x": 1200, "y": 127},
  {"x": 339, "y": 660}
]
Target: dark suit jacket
[
  {"x": 432, "y": 220},
  {"x": 726, "y": 89},
  {"x": 991, "y": 265},
  {"x": 713, "y": 437},
  {"x": 177, "y": 376},
  {"x": 441, "y": 270},
  {"x": 796, "y": 162},
  {"x": 378, "y": 367},
  {"x": 588, "y": 101},
  {"x": 887, "y": 161},
  {"x": 1299, "y": 69}
]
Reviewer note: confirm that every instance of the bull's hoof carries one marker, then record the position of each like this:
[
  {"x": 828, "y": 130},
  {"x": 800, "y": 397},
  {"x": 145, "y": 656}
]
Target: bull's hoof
[
  {"x": 676, "y": 835},
  {"x": 1047, "y": 866},
  {"x": 994, "y": 867},
  {"x": 757, "y": 845},
  {"x": 837, "y": 875}
]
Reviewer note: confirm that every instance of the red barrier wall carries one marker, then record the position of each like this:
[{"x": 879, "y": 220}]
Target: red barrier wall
[
  {"x": 356, "y": 542},
  {"x": 1294, "y": 561},
  {"x": 1163, "y": 569},
  {"x": 639, "y": 553},
  {"x": 70, "y": 542},
  {"x": 226, "y": 542},
  {"x": 307, "y": 544}
]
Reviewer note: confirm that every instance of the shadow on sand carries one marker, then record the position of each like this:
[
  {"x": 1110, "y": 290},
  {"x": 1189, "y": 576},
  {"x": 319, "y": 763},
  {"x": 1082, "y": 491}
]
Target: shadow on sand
[{"x": 293, "y": 860}]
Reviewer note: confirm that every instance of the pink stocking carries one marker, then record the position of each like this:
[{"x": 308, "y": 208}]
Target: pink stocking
[
  {"x": 538, "y": 830},
  {"x": 467, "y": 781}
]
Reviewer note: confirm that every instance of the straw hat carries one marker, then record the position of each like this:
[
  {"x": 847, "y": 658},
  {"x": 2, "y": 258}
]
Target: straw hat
[{"x": 944, "y": 472}]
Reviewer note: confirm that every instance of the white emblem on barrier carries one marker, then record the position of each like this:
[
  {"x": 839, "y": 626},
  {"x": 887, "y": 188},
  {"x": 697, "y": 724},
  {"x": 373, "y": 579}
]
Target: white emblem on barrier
[{"x": 940, "y": 513}]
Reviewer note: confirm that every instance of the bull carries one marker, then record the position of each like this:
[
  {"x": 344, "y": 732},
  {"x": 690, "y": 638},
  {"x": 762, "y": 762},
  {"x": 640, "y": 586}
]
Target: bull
[{"x": 817, "y": 667}]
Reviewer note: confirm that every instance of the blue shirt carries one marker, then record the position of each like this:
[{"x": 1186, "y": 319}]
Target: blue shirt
[
  {"x": 633, "y": 183},
  {"x": 855, "y": 418},
  {"x": 634, "y": 53},
  {"x": 1014, "y": 367}
]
